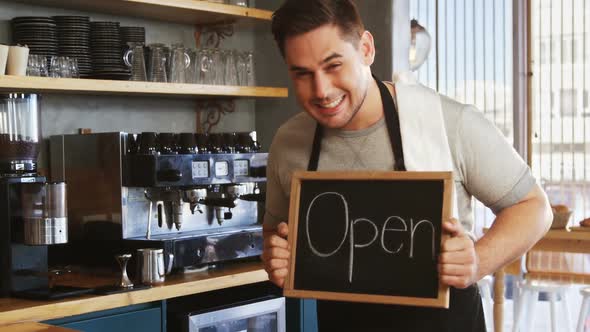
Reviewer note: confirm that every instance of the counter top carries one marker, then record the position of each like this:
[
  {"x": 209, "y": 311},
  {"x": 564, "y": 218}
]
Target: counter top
[
  {"x": 13, "y": 310},
  {"x": 33, "y": 327}
]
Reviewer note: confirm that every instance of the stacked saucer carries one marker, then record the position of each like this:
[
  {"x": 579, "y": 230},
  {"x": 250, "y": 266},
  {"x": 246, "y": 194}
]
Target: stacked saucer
[
  {"x": 38, "y": 33},
  {"x": 132, "y": 35},
  {"x": 73, "y": 34},
  {"x": 106, "y": 52}
]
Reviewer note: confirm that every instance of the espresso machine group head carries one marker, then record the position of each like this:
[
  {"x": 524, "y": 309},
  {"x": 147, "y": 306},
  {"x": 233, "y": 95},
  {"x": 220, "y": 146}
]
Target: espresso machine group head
[{"x": 196, "y": 196}]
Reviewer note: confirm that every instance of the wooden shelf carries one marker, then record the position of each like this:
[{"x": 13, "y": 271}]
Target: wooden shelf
[
  {"x": 13, "y": 310},
  {"x": 105, "y": 87},
  {"x": 180, "y": 11}
]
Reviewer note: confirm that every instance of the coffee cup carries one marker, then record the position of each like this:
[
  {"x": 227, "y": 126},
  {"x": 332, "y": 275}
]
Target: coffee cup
[
  {"x": 18, "y": 58},
  {"x": 3, "y": 57}
]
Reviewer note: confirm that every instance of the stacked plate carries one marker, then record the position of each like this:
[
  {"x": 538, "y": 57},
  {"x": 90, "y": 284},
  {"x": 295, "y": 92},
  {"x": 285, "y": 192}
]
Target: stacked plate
[
  {"x": 38, "y": 33},
  {"x": 73, "y": 35},
  {"x": 106, "y": 53},
  {"x": 132, "y": 35}
]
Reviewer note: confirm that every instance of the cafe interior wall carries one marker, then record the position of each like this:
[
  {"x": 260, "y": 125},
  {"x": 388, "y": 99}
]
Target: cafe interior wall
[{"x": 65, "y": 113}]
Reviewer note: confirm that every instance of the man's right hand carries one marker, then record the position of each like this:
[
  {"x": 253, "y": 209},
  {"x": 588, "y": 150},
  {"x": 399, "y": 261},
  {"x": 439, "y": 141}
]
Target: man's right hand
[{"x": 276, "y": 253}]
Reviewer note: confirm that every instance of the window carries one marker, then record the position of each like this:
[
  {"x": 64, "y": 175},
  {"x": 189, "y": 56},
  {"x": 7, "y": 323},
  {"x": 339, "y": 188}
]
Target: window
[
  {"x": 560, "y": 115},
  {"x": 568, "y": 102},
  {"x": 544, "y": 52},
  {"x": 474, "y": 60}
]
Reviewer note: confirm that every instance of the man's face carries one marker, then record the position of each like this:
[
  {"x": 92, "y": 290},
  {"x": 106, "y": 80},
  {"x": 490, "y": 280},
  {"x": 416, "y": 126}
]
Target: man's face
[{"x": 330, "y": 74}]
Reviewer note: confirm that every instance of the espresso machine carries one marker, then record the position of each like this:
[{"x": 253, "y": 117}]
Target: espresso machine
[
  {"x": 33, "y": 214},
  {"x": 196, "y": 196}
]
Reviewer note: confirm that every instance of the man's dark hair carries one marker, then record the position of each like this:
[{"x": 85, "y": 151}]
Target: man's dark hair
[{"x": 296, "y": 17}]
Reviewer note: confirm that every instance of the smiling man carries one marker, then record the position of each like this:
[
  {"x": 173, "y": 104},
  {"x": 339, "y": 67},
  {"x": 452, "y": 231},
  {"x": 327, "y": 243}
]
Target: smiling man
[
  {"x": 353, "y": 121},
  {"x": 333, "y": 79}
]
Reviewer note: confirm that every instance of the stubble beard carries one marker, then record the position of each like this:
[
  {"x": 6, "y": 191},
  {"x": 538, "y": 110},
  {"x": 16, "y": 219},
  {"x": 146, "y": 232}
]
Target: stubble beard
[{"x": 357, "y": 108}]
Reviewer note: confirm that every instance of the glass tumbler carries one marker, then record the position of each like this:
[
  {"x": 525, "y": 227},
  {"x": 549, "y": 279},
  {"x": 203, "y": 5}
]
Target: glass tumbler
[
  {"x": 37, "y": 65},
  {"x": 157, "y": 63},
  {"x": 180, "y": 63},
  {"x": 230, "y": 74}
]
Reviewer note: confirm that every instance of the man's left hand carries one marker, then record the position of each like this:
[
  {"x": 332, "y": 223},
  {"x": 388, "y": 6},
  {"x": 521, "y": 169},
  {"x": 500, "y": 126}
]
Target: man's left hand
[{"x": 458, "y": 261}]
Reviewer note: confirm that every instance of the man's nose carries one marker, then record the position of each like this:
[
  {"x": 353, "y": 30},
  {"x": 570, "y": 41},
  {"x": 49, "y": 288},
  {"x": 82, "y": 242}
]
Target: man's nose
[{"x": 321, "y": 86}]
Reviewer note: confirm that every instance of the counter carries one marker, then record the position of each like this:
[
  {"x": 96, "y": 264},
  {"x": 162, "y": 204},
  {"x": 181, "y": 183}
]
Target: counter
[
  {"x": 13, "y": 310},
  {"x": 33, "y": 327}
]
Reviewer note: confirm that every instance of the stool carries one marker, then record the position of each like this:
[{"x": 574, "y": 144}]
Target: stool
[
  {"x": 529, "y": 294},
  {"x": 584, "y": 310},
  {"x": 485, "y": 289}
]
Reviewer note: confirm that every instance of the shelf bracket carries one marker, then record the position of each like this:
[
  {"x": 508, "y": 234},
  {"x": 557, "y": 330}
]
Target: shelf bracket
[
  {"x": 211, "y": 35},
  {"x": 213, "y": 111}
]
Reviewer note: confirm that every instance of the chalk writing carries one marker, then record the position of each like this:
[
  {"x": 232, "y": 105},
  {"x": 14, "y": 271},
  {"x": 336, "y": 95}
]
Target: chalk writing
[{"x": 391, "y": 224}]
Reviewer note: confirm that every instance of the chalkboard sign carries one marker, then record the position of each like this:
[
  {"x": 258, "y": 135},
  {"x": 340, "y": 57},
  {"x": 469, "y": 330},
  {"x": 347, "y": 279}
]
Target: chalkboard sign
[{"x": 368, "y": 236}]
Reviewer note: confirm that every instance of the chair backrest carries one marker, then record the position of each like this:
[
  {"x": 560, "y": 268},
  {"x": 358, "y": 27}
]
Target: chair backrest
[{"x": 558, "y": 266}]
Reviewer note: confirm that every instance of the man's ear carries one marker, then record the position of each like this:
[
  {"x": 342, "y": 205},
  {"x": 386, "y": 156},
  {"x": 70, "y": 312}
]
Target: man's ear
[{"x": 367, "y": 48}]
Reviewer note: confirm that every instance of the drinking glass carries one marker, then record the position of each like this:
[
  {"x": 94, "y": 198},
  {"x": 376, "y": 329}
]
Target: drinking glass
[
  {"x": 73, "y": 67},
  {"x": 157, "y": 63},
  {"x": 241, "y": 68},
  {"x": 245, "y": 66},
  {"x": 190, "y": 72},
  {"x": 196, "y": 67},
  {"x": 218, "y": 66},
  {"x": 60, "y": 67},
  {"x": 230, "y": 74},
  {"x": 250, "y": 77},
  {"x": 180, "y": 63},
  {"x": 134, "y": 59},
  {"x": 206, "y": 73},
  {"x": 37, "y": 65}
]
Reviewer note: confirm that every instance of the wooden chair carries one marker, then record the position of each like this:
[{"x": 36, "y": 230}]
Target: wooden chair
[
  {"x": 485, "y": 286},
  {"x": 584, "y": 310},
  {"x": 552, "y": 273}
]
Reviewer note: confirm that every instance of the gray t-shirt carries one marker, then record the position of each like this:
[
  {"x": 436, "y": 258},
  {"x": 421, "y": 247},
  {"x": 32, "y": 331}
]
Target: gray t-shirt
[{"x": 484, "y": 164}]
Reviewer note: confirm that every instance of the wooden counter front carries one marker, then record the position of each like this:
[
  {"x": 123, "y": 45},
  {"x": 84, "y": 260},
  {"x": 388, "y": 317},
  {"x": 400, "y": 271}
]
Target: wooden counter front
[{"x": 13, "y": 310}]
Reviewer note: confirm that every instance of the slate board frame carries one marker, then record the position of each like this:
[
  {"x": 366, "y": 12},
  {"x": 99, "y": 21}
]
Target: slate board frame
[{"x": 442, "y": 299}]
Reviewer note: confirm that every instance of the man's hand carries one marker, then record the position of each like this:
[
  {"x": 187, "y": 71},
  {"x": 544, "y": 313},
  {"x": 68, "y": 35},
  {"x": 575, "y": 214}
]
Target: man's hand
[
  {"x": 458, "y": 261},
  {"x": 276, "y": 253}
]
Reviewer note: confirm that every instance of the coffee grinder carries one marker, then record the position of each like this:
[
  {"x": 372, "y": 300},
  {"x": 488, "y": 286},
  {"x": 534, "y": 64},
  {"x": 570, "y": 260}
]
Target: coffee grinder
[{"x": 33, "y": 213}]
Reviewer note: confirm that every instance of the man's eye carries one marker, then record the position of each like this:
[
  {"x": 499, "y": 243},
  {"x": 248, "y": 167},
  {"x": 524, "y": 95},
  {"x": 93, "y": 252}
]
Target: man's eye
[
  {"x": 333, "y": 66},
  {"x": 302, "y": 73}
]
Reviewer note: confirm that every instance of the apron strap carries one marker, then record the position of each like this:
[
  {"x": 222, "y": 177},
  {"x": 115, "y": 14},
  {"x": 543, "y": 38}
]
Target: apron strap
[
  {"x": 393, "y": 126},
  {"x": 315, "y": 148}
]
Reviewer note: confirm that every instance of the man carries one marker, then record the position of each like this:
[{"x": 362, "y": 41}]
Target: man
[{"x": 329, "y": 54}]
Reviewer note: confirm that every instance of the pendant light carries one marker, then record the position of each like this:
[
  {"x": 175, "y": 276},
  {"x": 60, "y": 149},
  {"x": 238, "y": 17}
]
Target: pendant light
[{"x": 419, "y": 45}]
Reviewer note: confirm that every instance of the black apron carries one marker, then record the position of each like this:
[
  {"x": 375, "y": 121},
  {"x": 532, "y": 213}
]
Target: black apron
[{"x": 465, "y": 311}]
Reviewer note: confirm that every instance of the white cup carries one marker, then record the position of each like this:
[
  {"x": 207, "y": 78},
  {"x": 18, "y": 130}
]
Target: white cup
[
  {"x": 3, "y": 58},
  {"x": 18, "y": 57}
]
